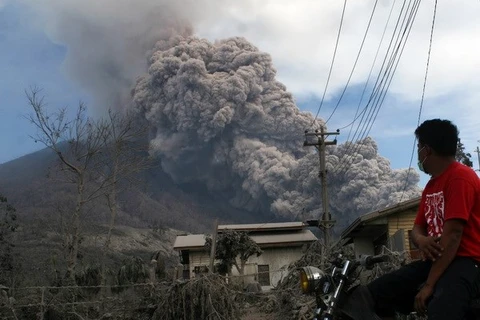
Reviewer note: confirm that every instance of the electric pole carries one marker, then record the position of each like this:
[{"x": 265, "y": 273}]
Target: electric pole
[
  {"x": 214, "y": 247},
  {"x": 326, "y": 223},
  {"x": 478, "y": 155}
]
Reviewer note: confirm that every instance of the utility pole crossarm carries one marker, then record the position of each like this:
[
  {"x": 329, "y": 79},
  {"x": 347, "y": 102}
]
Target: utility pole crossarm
[{"x": 326, "y": 223}]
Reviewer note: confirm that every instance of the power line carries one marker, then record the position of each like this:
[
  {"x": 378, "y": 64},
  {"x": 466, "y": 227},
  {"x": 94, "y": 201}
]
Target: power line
[
  {"x": 356, "y": 116},
  {"x": 385, "y": 75},
  {"x": 349, "y": 148},
  {"x": 422, "y": 99},
  {"x": 380, "y": 98},
  {"x": 384, "y": 92},
  {"x": 333, "y": 61},
  {"x": 355, "y": 63},
  {"x": 379, "y": 94}
]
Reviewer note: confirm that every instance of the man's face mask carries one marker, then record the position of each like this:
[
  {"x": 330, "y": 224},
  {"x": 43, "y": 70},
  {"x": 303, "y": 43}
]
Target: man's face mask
[{"x": 420, "y": 163}]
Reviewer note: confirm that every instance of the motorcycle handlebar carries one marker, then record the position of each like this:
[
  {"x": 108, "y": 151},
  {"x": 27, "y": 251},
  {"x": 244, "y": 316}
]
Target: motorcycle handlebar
[{"x": 369, "y": 261}]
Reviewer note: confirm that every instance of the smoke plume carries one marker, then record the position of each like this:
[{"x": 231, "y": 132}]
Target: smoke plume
[
  {"x": 108, "y": 41},
  {"x": 220, "y": 118},
  {"x": 217, "y": 114}
]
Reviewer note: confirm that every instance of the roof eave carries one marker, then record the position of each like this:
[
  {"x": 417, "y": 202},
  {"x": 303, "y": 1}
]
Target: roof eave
[
  {"x": 380, "y": 213},
  {"x": 198, "y": 248},
  {"x": 351, "y": 227}
]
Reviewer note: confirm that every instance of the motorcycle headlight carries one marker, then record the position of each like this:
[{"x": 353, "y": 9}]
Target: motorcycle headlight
[{"x": 310, "y": 278}]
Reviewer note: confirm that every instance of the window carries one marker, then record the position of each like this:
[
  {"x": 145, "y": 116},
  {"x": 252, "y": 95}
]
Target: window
[
  {"x": 264, "y": 274},
  {"x": 200, "y": 270}
]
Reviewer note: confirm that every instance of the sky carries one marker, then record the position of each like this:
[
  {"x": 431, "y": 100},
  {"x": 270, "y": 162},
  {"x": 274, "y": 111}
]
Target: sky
[{"x": 38, "y": 42}]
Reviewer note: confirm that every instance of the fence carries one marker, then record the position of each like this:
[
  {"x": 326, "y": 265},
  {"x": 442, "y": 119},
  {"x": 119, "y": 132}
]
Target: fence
[
  {"x": 87, "y": 302},
  {"x": 78, "y": 302}
]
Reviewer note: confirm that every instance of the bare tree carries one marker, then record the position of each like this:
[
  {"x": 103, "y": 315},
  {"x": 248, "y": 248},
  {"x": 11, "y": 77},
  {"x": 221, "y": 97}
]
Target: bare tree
[
  {"x": 123, "y": 157},
  {"x": 95, "y": 155},
  {"x": 76, "y": 144}
]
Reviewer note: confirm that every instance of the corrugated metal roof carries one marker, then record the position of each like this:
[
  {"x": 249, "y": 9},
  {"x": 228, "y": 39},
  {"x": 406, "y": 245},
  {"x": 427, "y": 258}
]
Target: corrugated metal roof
[
  {"x": 198, "y": 240},
  {"x": 263, "y": 226},
  {"x": 189, "y": 241},
  {"x": 300, "y": 236},
  {"x": 412, "y": 203}
]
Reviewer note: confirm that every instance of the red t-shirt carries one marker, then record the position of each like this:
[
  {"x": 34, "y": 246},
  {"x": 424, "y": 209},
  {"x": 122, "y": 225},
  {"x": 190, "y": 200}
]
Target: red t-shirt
[{"x": 455, "y": 194}]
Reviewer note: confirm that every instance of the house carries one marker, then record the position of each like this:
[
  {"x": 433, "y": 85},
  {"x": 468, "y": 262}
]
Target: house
[
  {"x": 281, "y": 243},
  {"x": 389, "y": 227}
]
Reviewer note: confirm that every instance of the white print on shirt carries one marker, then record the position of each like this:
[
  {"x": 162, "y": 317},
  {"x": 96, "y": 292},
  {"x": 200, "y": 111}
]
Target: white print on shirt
[{"x": 435, "y": 213}]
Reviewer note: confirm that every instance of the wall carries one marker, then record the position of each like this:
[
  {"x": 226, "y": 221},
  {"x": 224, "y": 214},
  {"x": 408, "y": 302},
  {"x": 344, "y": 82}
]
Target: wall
[
  {"x": 402, "y": 220},
  {"x": 198, "y": 258},
  {"x": 277, "y": 259},
  {"x": 363, "y": 245}
]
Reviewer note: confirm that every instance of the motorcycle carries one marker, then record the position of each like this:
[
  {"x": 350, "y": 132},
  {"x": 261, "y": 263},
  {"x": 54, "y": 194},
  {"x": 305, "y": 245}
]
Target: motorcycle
[{"x": 332, "y": 290}]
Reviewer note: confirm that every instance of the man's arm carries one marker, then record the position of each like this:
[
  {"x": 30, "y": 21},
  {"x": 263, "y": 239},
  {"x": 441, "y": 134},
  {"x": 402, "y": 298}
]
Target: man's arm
[
  {"x": 452, "y": 234},
  {"x": 429, "y": 246},
  {"x": 417, "y": 232},
  {"x": 450, "y": 241}
]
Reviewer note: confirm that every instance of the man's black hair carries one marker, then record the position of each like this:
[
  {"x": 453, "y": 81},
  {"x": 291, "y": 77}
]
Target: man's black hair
[{"x": 440, "y": 135}]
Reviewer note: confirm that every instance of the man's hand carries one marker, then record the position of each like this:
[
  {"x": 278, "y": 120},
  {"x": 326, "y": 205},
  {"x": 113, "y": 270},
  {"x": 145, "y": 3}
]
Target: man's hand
[
  {"x": 422, "y": 297},
  {"x": 430, "y": 247}
]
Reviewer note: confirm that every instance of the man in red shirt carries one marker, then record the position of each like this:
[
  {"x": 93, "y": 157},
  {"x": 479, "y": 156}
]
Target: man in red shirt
[{"x": 447, "y": 232}]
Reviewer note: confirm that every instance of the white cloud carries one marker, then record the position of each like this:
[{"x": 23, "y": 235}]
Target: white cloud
[{"x": 300, "y": 36}]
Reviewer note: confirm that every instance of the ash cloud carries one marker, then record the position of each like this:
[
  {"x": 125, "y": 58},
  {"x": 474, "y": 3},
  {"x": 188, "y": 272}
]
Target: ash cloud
[
  {"x": 108, "y": 41},
  {"x": 218, "y": 116}
]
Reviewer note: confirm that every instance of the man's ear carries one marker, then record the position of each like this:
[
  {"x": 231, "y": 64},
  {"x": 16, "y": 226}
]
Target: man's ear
[{"x": 428, "y": 150}]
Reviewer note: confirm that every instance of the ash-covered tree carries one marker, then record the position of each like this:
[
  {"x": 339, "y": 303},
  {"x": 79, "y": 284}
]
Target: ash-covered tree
[
  {"x": 462, "y": 156},
  {"x": 231, "y": 248},
  {"x": 76, "y": 144},
  {"x": 133, "y": 270},
  {"x": 8, "y": 224},
  {"x": 123, "y": 156},
  {"x": 94, "y": 157}
]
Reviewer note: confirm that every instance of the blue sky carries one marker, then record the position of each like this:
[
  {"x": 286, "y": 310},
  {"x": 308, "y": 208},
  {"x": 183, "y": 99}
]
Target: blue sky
[
  {"x": 300, "y": 39},
  {"x": 27, "y": 58}
]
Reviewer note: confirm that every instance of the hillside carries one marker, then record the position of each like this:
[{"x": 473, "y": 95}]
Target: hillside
[
  {"x": 157, "y": 200},
  {"x": 151, "y": 215}
]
